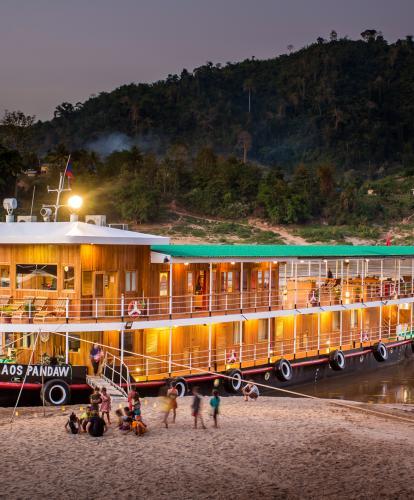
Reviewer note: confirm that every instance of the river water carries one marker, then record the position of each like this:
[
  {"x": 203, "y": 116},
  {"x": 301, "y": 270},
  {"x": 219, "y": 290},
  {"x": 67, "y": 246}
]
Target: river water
[{"x": 392, "y": 384}]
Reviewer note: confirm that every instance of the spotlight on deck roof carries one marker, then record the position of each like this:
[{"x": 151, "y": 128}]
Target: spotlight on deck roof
[{"x": 75, "y": 202}]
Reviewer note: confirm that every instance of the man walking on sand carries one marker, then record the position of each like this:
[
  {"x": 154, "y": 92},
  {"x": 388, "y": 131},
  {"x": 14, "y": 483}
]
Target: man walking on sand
[{"x": 196, "y": 408}]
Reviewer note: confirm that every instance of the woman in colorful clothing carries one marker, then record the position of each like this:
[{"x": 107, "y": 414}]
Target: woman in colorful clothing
[{"x": 105, "y": 405}]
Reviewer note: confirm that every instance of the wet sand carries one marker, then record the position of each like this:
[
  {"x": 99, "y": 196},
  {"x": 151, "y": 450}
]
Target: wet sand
[{"x": 273, "y": 448}]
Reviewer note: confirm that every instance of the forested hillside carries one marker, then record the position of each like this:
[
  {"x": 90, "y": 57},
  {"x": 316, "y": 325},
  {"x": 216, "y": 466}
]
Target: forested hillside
[{"x": 348, "y": 101}]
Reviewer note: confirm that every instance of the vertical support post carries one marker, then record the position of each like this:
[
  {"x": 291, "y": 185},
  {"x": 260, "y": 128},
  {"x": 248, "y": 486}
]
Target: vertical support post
[
  {"x": 296, "y": 284},
  {"x": 411, "y": 320},
  {"x": 209, "y": 345},
  {"x": 294, "y": 334},
  {"x": 170, "y": 335},
  {"x": 241, "y": 286},
  {"x": 380, "y": 323},
  {"x": 363, "y": 280},
  {"x": 170, "y": 307},
  {"x": 67, "y": 347},
  {"x": 270, "y": 286},
  {"x": 67, "y": 310},
  {"x": 122, "y": 349},
  {"x": 340, "y": 328},
  {"x": 381, "y": 277},
  {"x": 122, "y": 306},
  {"x": 241, "y": 341},
  {"x": 399, "y": 277},
  {"x": 342, "y": 281},
  {"x": 319, "y": 331},
  {"x": 210, "y": 286},
  {"x": 96, "y": 309},
  {"x": 412, "y": 276},
  {"x": 269, "y": 339},
  {"x": 319, "y": 282},
  {"x": 361, "y": 323}
]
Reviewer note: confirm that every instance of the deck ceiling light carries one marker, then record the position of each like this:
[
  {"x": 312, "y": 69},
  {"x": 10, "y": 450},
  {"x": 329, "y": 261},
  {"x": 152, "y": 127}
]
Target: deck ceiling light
[
  {"x": 275, "y": 262},
  {"x": 232, "y": 263},
  {"x": 186, "y": 263}
]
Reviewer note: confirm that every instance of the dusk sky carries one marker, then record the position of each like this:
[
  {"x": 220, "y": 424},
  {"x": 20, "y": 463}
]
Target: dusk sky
[{"x": 53, "y": 50}]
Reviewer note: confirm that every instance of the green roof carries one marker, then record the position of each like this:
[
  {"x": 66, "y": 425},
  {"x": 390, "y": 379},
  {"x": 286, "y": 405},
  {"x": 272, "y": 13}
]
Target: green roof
[{"x": 280, "y": 251}]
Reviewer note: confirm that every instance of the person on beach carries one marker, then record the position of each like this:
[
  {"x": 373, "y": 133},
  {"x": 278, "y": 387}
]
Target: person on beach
[
  {"x": 73, "y": 424},
  {"x": 215, "y": 405},
  {"x": 119, "y": 416},
  {"x": 250, "y": 390},
  {"x": 165, "y": 405},
  {"x": 105, "y": 405},
  {"x": 196, "y": 408},
  {"x": 95, "y": 399},
  {"x": 126, "y": 420},
  {"x": 84, "y": 418},
  {"x": 172, "y": 393},
  {"x": 96, "y": 355},
  {"x": 96, "y": 426},
  {"x": 132, "y": 395},
  {"x": 138, "y": 426}
]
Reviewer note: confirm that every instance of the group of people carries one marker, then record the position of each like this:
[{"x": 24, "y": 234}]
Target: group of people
[{"x": 97, "y": 417}]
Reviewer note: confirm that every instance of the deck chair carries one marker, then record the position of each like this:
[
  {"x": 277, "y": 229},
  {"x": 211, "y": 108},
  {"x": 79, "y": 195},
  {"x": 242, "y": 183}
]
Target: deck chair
[
  {"x": 18, "y": 307},
  {"x": 57, "y": 309}
]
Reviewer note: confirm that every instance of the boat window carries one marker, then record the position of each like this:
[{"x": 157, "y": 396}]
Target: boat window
[
  {"x": 36, "y": 277},
  {"x": 262, "y": 329},
  {"x": 164, "y": 284},
  {"x": 190, "y": 282},
  {"x": 74, "y": 342},
  {"x": 4, "y": 276},
  {"x": 130, "y": 281},
  {"x": 68, "y": 278},
  {"x": 336, "y": 320},
  {"x": 237, "y": 329}
]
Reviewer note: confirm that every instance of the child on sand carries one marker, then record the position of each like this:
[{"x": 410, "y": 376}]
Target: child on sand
[
  {"x": 251, "y": 391},
  {"x": 95, "y": 399},
  {"x": 126, "y": 420},
  {"x": 73, "y": 425},
  {"x": 215, "y": 404},
  {"x": 196, "y": 408},
  {"x": 105, "y": 405},
  {"x": 172, "y": 393},
  {"x": 119, "y": 416},
  {"x": 84, "y": 418},
  {"x": 138, "y": 426}
]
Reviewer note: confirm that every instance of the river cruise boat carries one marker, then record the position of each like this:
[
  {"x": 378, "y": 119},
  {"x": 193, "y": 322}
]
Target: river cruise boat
[{"x": 192, "y": 314}]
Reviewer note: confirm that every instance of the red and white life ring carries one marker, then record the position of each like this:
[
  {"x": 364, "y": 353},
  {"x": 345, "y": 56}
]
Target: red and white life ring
[{"x": 133, "y": 309}]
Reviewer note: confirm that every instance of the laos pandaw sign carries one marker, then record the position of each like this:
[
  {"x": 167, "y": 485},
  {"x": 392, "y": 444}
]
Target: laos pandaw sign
[{"x": 34, "y": 372}]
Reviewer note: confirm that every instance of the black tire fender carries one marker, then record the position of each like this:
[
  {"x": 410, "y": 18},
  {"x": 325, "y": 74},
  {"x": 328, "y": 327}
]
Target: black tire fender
[
  {"x": 283, "y": 370},
  {"x": 181, "y": 385},
  {"x": 380, "y": 352},
  {"x": 337, "y": 360},
  {"x": 234, "y": 383},
  {"x": 55, "y": 392}
]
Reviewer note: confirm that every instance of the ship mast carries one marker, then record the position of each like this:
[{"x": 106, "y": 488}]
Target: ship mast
[{"x": 61, "y": 189}]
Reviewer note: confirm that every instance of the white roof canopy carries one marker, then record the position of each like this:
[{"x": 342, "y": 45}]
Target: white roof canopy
[{"x": 72, "y": 233}]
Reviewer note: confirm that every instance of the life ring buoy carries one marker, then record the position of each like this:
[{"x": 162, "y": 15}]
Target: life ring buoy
[
  {"x": 133, "y": 309},
  {"x": 337, "y": 360},
  {"x": 380, "y": 352},
  {"x": 234, "y": 383},
  {"x": 283, "y": 370},
  {"x": 55, "y": 392},
  {"x": 181, "y": 385}
]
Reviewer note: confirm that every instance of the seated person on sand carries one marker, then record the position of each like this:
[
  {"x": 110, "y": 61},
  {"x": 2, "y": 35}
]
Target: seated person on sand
[
  {"x": 125, "y": 420},
  {"x": 251, "y": 391},
  {"x": 73, "y": 424},
  {"x": 138, "y": 426},
  {"x": 84, "y": 418},
  {"x": 96, "y": 425}
]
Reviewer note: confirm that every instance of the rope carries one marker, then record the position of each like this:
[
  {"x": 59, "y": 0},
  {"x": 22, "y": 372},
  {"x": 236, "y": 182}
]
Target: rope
[
  {"x": 24, "y": 379},
  {"x": 266, "y": 386}
]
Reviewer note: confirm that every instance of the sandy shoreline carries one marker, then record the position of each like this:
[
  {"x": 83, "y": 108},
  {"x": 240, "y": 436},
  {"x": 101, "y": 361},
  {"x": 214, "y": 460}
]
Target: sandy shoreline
[{"x": 275, "y": 448}]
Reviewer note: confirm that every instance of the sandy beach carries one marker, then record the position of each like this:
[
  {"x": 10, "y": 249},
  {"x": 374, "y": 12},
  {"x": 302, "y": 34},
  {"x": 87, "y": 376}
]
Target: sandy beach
[{"x": 273, "y": 448}]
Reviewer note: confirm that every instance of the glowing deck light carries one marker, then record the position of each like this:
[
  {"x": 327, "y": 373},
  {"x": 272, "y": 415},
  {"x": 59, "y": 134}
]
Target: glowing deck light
[{"x": 75, "y": 202}]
